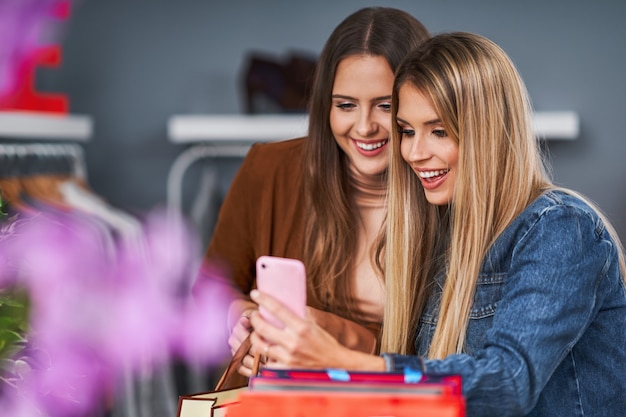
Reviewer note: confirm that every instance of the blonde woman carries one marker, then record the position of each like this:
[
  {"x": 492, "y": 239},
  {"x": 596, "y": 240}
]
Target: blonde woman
[{"x": 492, "y": 271}]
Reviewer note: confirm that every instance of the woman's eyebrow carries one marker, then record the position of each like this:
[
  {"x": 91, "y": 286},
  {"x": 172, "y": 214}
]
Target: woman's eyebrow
[
  {"x": 426, "y": 123},
  {"x": 341, "y": 96},
  {"x": 433, "y": 122},
  {"x": 401, "y": 120}
]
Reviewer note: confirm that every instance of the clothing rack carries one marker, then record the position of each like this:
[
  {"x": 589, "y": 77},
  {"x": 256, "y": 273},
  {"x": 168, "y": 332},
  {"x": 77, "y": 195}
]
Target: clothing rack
[
  {"x": 46, "y": 149},
  {"x": 47, "y": 135},
  {"x": 18, "y": 159},
  {"x": 189, "y": 157}
]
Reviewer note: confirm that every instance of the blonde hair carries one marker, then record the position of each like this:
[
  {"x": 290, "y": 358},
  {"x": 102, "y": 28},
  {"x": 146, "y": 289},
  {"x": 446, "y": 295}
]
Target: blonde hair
[{"x": 483, "y": 104}]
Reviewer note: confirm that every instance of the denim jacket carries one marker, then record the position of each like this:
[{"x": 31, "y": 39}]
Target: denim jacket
[{"x": 547, "y": 328}]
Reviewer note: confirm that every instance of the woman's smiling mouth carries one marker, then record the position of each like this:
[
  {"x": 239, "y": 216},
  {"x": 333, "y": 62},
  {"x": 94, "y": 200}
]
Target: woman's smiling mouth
[
  {"x": 428, "y": 175},
  {"x": 370, "y": 146}
]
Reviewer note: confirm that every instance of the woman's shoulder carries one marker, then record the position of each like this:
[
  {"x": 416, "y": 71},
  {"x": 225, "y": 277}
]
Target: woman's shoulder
[
  {"x": 557, "y": 211},
  {"x": 268, "y": 162},
  {"x": 266, "y": 157},
  {"x": 562, "y": 199},
  {"x": 553, "y": 211},
  {"x": 280, "y": 149}
]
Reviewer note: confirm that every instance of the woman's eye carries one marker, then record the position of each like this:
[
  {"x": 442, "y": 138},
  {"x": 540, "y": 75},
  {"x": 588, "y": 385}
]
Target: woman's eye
[
  {"x": 345, "y": 106},
  {"x": 406, "y": 132},
  {"x": 440, "y": 133}
]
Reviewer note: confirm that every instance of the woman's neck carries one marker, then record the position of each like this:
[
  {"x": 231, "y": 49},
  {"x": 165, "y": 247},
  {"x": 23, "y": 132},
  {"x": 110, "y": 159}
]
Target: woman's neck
[{"x": 369, "y": 190}]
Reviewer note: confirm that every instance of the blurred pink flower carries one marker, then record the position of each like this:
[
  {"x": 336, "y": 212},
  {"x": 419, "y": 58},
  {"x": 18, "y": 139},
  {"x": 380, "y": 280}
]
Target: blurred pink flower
[
  {"x": 24, "y": 25},
  {"x": 97, "y": 314},
  {"x": 99, "y": 307}
]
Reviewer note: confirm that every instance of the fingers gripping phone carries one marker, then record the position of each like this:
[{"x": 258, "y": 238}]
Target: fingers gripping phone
[{"x": 285, "y": 280}]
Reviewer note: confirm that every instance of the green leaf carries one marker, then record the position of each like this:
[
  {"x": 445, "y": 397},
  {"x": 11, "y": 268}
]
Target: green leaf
[{"x": 14, "y": 312}]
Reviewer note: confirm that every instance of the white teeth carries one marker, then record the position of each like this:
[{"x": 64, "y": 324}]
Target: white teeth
[
  {"x": 430, "y": 174},
  {"x": 371, "y": 146}
]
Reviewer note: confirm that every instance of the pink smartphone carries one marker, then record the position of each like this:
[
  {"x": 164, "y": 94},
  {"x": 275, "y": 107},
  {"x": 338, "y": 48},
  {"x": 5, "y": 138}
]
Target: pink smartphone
[{"x": 285, "y": 280}]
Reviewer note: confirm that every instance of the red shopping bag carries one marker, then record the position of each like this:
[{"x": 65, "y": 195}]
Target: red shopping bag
[{"x": 343, "y": 404}]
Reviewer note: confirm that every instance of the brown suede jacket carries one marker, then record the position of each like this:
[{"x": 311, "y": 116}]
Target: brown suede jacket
[{"x": 264, "y": 214}]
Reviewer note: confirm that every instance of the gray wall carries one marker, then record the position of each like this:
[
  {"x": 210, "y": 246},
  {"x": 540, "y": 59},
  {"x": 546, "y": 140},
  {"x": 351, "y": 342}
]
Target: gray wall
[{"x": 133, "y": 63}]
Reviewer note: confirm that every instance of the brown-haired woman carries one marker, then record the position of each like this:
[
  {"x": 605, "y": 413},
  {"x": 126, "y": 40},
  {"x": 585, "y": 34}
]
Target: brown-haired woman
[{"x": 321, "y": 198}]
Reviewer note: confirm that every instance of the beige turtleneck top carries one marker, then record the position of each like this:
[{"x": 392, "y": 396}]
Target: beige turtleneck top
[{"x": 369, "y": 289}]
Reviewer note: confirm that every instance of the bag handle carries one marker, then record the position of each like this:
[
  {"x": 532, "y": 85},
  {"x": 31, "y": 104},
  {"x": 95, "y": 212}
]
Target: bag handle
[{"x": 236, "y": 361}]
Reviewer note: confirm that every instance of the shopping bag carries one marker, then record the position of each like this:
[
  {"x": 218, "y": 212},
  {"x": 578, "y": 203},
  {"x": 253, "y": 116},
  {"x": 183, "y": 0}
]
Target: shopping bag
[
  {"x": 226, "y": 393},
  {"x": 340, "y": 393},
  {"x": 342, "y": 404}
]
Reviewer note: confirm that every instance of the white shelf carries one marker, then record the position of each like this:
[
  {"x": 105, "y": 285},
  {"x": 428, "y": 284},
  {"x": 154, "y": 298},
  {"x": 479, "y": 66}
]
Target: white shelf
[
  {"x": 45, "y": 126},
  {"x": 223, "y": 129},
  {"x": 236, "y": 128},
  {"x": 557, "y": 125}
]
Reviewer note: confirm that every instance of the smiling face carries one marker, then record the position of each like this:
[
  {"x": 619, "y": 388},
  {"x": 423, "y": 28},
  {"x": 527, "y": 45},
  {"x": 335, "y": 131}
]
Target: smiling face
[
  {"x": 360, "y": 116},
  {"x": 426, "y": 146}
]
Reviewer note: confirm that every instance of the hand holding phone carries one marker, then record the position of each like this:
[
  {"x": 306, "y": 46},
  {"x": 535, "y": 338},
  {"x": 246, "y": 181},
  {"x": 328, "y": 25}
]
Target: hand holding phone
[{"x": 285, "y": 280}]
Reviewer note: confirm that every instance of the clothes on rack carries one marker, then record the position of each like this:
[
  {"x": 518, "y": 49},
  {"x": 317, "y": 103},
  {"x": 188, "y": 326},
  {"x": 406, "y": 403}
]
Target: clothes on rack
[
  {"x": 54, "y": 174},
  {"x": 38, "y": 187},
  {"x": 79, "y": 197}
]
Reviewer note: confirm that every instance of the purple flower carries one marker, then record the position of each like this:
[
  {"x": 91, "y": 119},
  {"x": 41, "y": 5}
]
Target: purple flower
[
  {"x": 98, "y": 313},
  {"x": 23, "y": 24},
  {"x": 100, "y": 306}
]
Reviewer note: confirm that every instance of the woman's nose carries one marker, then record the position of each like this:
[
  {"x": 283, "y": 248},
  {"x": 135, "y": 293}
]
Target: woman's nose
[
  {"x": 366, "y": 125},
  {"x": 416, "y": 149}
]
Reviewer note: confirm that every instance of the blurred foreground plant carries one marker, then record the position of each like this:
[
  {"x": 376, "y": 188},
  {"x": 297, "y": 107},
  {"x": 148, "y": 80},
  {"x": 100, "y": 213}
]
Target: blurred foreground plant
[
  {"x": 13, "y": 304},
  {"x": 77, "y": 313},
  {"x": 79, "y": 309},
  {"x": 13, "y": 323}
]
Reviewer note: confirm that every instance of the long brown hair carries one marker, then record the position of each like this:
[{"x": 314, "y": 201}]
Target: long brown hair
[{"x": 330, "y": 230}]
